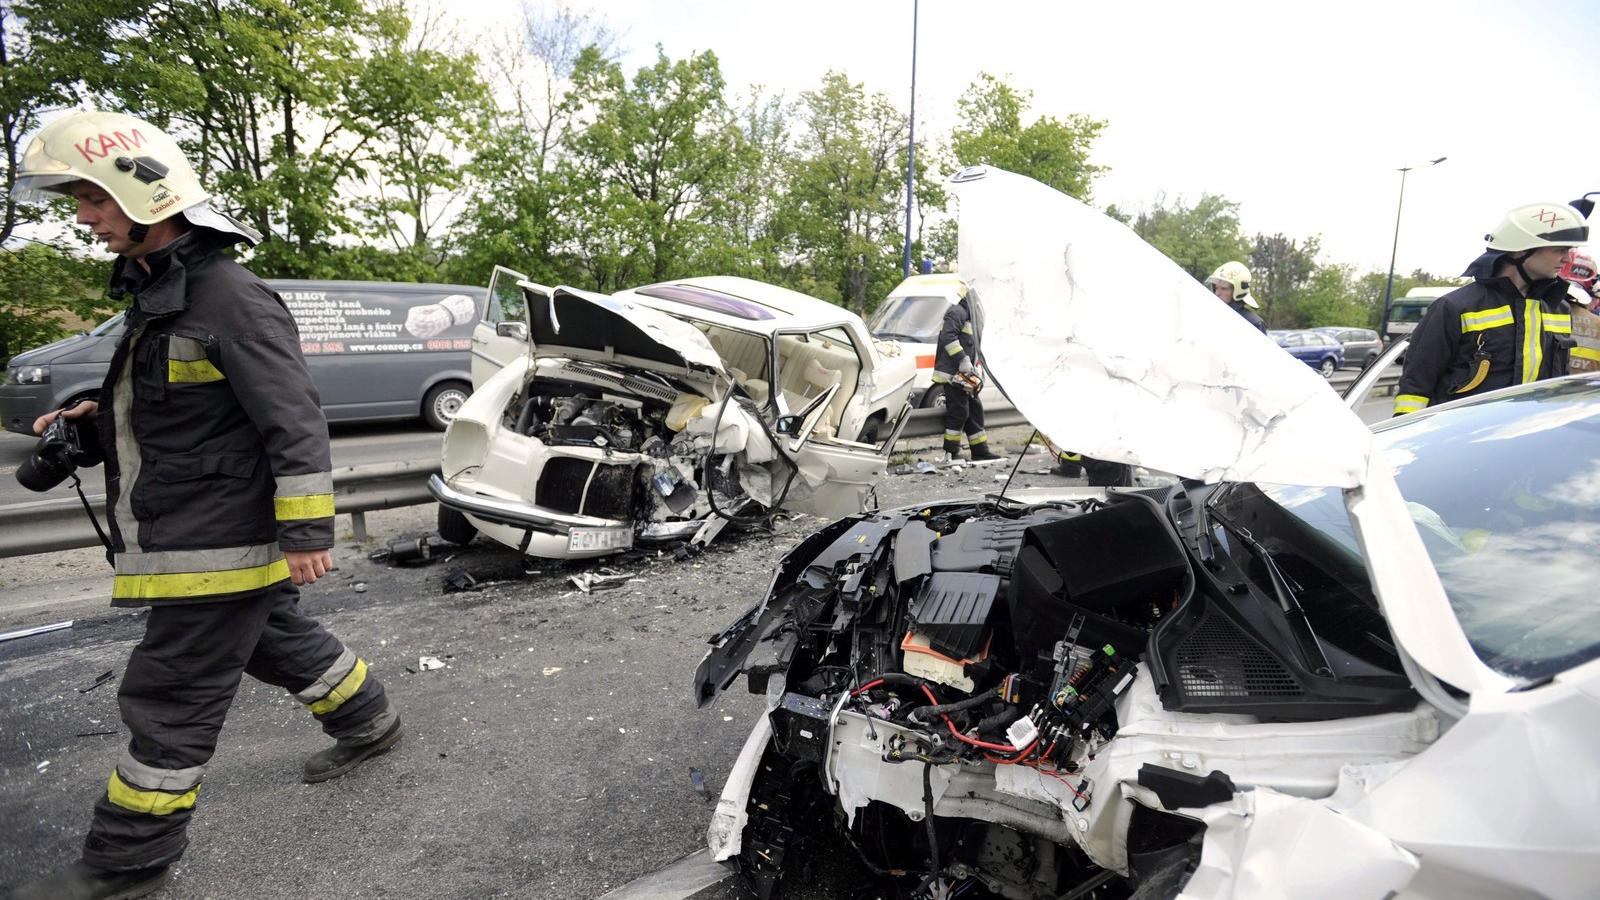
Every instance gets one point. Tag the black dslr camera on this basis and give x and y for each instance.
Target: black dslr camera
(65, 445)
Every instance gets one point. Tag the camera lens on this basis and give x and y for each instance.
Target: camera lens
(44, 468)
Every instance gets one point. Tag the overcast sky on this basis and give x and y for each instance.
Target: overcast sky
(1300, 112)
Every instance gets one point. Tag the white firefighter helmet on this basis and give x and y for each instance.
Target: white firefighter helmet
(1539, 225)
(138, 164)
(1235, 274)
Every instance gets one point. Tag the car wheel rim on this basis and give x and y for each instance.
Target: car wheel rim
(1327, 368)
(448, 404)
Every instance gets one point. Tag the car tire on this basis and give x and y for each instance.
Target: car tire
(442, 402)
(932, 398)
(1367, 363)
(1328, 367)
(454, 527)
(870, 431)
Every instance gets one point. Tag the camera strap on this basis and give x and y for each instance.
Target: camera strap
(77, 485)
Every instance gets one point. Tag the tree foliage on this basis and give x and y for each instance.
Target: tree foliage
(1049, 150)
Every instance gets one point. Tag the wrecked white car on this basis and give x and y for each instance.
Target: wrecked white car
(664, 412)
(1331, 662)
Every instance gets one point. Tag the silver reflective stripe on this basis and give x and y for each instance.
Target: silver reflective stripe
(330, 679)
(150, 778)
(185, 349)
(302, 485)
(216, 559)
(128, 461)
(372, 730)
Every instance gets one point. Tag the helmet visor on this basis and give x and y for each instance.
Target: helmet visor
(42, 188)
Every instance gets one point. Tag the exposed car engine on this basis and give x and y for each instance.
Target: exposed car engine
(952, 673)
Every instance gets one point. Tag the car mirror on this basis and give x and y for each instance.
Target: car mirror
(517, 330)
(789, 426)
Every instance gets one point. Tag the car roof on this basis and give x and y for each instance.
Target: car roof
(789, 309)
(944, 284)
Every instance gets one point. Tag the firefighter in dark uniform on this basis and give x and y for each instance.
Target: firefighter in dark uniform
(1511, 325)
(219, 493)
(955, 371)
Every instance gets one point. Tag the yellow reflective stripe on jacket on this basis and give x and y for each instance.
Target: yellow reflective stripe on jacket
(1484, 319)
(1532, 339)
(155, 803)
(966, 327)
(1557, 324)
(953, 348)
(1588, 353)
(1409, 403)
(198, 371)
(940, 377)
(310, 506)
(342, 691)
(198, 584)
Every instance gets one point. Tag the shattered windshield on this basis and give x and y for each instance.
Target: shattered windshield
(1506, 496)
(910, 319)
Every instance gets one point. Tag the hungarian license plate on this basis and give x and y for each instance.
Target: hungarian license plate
(587, 539)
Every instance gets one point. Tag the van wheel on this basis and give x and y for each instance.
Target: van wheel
(443, 402)
(454, 527)
(932, 398)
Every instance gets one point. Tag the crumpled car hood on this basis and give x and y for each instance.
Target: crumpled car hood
(1113, 351)
(576, 324)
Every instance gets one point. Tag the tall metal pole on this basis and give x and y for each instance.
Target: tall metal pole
(1388, 291)
(911, 142)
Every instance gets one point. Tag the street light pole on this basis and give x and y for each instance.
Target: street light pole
(1388, 291)
(911, 141)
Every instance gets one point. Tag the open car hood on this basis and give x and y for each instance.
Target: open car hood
(570, 323)
(1113, 351)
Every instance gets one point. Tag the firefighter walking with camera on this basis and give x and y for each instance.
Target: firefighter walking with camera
(955, 371)
(219, 495)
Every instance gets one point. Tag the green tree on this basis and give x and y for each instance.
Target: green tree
(1049, 150)
(842, 214)
(513, 193)
(46, 291)
(1280, 272)
(1199, 238)
(654, 162)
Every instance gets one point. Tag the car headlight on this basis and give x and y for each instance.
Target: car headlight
(31, 375)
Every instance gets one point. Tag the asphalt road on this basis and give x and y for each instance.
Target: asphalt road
(549, 759)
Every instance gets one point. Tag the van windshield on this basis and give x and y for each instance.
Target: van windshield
(1409, 310)
(914, 319)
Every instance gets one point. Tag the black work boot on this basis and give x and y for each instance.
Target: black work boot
(81, 881)
(340, 759)
(1070, 465)
(952, 451)
(982, 453)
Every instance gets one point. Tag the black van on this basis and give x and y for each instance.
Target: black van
(377, 351)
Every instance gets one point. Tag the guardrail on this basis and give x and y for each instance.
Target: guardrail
(44, 526)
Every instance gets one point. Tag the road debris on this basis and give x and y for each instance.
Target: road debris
(550, 670)
(30, 632)
(100, 679)
(406, 552)
(42, 766)
(604, 579)
(923, 467)
(459, 580)
(360, 587)
(698, 780)
(97, 733)
(429, 663)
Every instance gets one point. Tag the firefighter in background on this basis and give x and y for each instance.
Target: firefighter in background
(1511, 325)
(219, 493)
(955, 370)
(1578, 270)
(1231, 283)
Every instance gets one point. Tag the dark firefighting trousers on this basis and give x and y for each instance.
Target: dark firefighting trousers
(963, 412)
(175, 694)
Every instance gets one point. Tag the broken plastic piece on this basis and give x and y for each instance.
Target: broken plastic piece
(589, 582)
(698, 780)
(102, 678)
(460, 580)
(1178, 789)
(429, 663)
(30, 632)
